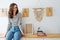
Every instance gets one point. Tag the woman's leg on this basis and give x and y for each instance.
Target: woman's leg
(17, 35)
(9, 35)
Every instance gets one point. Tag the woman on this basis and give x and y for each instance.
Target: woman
(15, 20)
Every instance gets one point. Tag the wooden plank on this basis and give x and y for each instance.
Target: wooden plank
(35, 36)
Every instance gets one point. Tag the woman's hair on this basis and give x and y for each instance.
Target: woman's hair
(10, 12)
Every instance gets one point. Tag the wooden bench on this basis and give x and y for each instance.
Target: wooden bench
(35, 36)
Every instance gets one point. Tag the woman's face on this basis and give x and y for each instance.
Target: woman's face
(15, 8)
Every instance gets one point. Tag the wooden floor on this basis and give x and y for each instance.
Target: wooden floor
(35, 36)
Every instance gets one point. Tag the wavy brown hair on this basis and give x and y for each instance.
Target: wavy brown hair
(10, 12)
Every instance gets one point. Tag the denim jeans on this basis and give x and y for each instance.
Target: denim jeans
(14, 33)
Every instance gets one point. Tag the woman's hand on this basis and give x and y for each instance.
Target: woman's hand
(5, 34)
(22, 33)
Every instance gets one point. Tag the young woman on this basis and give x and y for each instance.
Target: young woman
(15, 20)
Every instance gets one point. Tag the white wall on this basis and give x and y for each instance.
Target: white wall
(48, 24)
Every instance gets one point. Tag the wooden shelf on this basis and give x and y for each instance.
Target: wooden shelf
(35, 36)
(47, 36)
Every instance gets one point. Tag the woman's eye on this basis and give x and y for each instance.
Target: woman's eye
(15, 7)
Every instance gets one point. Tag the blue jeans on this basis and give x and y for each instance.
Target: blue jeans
(14, 33)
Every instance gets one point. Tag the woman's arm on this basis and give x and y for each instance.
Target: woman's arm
(20, 22)
(9, 26)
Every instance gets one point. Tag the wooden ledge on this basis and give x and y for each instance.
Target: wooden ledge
(35, 36)
(47, 36)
